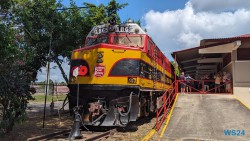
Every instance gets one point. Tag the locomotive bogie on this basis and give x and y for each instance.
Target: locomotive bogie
(102, 107)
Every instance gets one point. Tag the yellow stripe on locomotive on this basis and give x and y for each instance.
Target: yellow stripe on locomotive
(110, 58)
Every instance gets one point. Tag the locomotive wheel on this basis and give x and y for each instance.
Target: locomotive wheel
(144, 107)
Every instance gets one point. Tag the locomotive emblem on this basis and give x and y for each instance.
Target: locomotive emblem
(99, 71)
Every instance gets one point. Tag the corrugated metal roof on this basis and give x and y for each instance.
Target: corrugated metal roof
(213, 39)
(225, 40)
(235, 37)
(243, 36)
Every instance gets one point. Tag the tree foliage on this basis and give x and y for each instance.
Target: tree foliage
(177, 70)
(28, 30)
(48, 23)
(15, 77)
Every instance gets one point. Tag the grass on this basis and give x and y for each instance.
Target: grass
(40, 97)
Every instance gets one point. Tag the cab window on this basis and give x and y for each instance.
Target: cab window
(133, 41)
(96, 40)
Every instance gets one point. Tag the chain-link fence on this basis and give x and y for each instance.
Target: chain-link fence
(52, 88)
(56, 99)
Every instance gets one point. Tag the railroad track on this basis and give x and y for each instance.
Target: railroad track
(63, 135)
(93, 135)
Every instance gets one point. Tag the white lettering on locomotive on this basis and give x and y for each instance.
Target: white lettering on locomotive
(106, 29)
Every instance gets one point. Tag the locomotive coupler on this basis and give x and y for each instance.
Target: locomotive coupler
(120, 107)
(97, 110)
(117, 121)
(117, 117)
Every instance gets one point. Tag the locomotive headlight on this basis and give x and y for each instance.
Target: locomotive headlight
(132, 80)
(99, 60)
(99, 57)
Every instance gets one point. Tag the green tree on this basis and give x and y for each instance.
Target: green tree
(15, 77)
(47, 23)
(177, 70)
(112, 8)
(28, 29)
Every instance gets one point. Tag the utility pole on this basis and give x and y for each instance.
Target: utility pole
(47, 78)
(48, 62)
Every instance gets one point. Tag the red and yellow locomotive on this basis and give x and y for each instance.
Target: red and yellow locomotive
(121, 74)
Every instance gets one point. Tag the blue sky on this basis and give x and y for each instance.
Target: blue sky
(179, 24)
(137, 8)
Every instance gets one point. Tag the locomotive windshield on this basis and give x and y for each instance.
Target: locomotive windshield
(135, 41)
(126, 40)
(96, 40)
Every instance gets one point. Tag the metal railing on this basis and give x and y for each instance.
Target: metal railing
(205, 87)
(196, 86)
(53, 88)
(168, 99)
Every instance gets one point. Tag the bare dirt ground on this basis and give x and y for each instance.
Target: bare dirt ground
(33, 126)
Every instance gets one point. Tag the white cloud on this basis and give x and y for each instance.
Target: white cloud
(184, 28)
(220, 5)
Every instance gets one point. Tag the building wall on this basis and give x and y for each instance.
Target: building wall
(243, 54)
(241, 80)
(241, 65)
(245, 44)
(241, 73)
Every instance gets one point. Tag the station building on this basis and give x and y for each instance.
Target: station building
(231, 55)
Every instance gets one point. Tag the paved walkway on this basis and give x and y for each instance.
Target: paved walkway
(206, 117)
(35, 109)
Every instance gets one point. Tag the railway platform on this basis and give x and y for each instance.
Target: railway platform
(208, 117)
